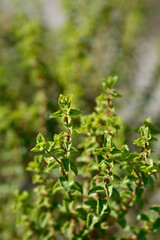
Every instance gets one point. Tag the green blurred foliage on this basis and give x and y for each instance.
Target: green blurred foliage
(99, 38)
(38, 63)
(24, 105)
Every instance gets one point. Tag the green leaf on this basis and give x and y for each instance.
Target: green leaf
(77, 186)
(142, 234)
(74, 132)
(156, 225)
(142, 130)
(49, 145)
(38, 148)
(23, 196)
(36, 178)
(101, 206)
(144, 217)
(110, 82)
(155, 208)
(125, 194)
(147, 133)
(33, 166)
(145, 178)
(121, 219)
(115, 193)
(65, 102)
(67, 204)
(38, 159)
(46, 236)
(52, 165)
(139, 142)
(151, 181)
(74, 112)
(43, 201)
(40, 190)
(109, 190)
(125, 150)
(65, 162)
(48, 159)
(44, 218)
(57, 114)
(138, 194)
(91, 220)
(72, 149)
(105, 226)
(28, 234)
(91, 203)
(74, 168)
(57, 187)
(64, 183)
(40, 138)
(82, 212)
(98, 150)
(115, 94)
(152, 139)
(96, 189)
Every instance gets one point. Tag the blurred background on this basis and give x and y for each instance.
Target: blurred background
(48, 47)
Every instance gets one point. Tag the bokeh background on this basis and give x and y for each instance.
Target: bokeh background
(48, 47)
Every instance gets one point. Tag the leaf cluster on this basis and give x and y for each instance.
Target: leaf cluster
(81, 192)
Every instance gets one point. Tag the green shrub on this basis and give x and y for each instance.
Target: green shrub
(87, 192)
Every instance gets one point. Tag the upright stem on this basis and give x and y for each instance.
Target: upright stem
(138, 175)
(63, 171)
(63, 148)
(68, 133)
(68, 140)
(146, 152)
(146, 156)
(133, 193)
(107, 179)
(129, 201)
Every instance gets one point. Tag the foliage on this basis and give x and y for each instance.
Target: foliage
(38, 62)
(98, 39)
(23, 107)
(83, 192)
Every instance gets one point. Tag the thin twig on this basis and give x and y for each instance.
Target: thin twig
(138, 175)
(63, 148)
(154, 172)
(63, 171)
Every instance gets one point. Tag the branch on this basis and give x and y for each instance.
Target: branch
(63, 172)
(138, 175)
(68, 133)
(63, 148)
(154, 172)
(129, 201)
